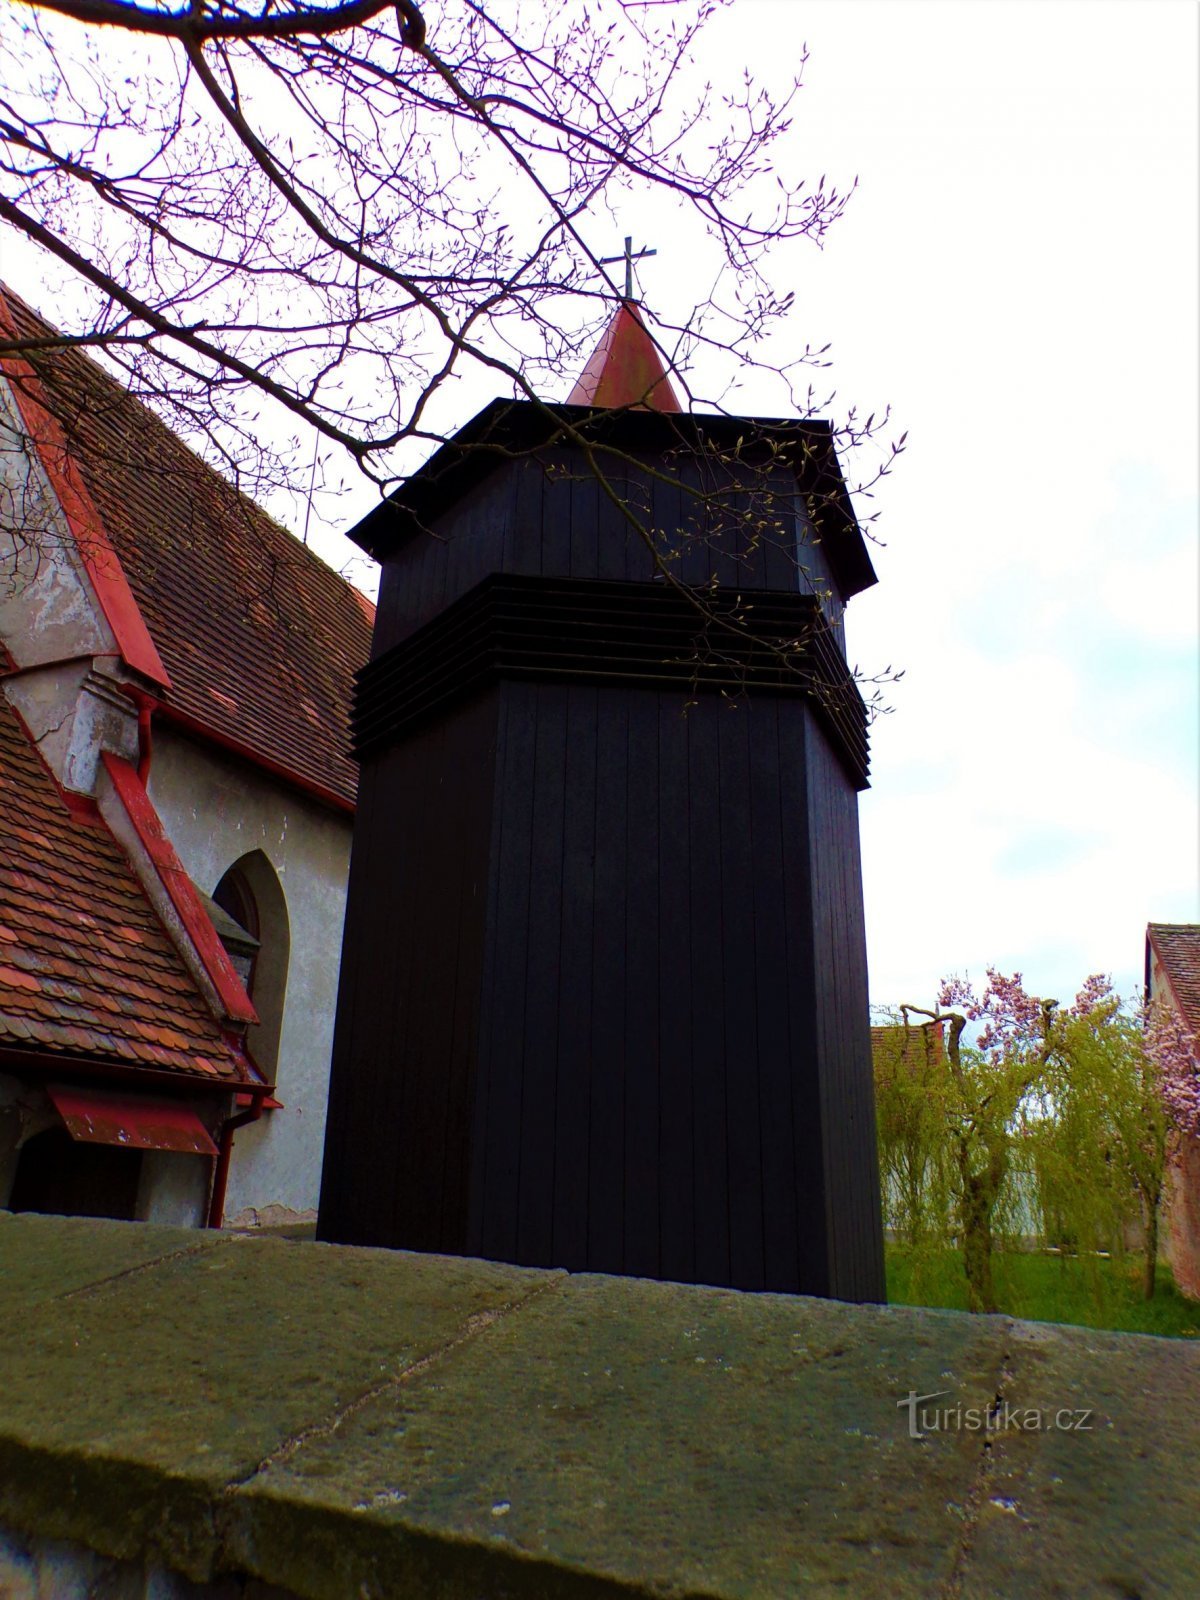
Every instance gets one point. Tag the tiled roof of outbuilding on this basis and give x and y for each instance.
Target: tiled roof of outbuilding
(86, 967)
(260, 638)
(1177, 945)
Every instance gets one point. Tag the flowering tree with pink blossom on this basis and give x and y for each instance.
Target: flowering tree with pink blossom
(1176, 1054)
(1071, 1107)
(972, 1107)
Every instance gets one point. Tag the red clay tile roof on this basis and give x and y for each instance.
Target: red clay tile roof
(86, 967)
(261, 639)
(1177, 945)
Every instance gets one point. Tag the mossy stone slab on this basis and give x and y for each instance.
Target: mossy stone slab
(1096, 1490)
(127, 1411)
(46, 1258)
(358, 1423)
(615, 1436)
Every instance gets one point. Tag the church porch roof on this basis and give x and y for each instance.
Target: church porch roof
(87, 970)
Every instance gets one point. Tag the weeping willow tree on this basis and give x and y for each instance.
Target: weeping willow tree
(1102, 1142)
(1052, 1124)
(950, 1131)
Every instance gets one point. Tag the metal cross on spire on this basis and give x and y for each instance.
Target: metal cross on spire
(628, 256)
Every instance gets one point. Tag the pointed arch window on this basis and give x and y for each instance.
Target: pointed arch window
(252, 896)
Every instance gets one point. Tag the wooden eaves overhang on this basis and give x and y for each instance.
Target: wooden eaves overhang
(505, 429)
(546, 620)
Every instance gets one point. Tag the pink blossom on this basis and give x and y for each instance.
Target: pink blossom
(1173, 1051)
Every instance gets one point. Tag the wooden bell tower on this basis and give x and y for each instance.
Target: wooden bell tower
(604, 994)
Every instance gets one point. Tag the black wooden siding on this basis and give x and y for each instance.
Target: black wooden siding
(550, 518)
(603, 996)
(627, 947)
(843, 1038)
(400, 1112)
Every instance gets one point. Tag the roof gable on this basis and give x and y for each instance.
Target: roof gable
(259, 637)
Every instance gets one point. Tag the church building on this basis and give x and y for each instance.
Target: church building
(176, 804)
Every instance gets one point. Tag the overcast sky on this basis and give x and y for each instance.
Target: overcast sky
(1016, 275)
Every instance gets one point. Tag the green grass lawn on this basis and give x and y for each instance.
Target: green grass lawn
(1094, 1292)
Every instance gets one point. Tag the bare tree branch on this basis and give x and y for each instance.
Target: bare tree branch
(199, 24)
(282, 217)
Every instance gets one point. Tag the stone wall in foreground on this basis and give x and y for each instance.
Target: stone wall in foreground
(190, 1413)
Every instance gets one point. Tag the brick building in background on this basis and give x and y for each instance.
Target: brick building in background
(1173, 977)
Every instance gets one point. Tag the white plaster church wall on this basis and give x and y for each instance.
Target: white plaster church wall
(216, 810)
(48, 611)
(174, 1188)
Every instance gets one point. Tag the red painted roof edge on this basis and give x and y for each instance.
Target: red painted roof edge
(131, 1074)
(184, 719)
(206, 947)
(626, 368)
(132, 1110)
(100, 561)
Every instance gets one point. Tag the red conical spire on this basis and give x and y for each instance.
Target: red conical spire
(626, 368)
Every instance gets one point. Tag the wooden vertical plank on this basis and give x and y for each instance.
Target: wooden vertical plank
(698, 506)
(389, 626)
(844, 1028)
(509, 933)
(461, 531)
(710, 1111)
(402, 1009)
(586, 499)
(777, 569)
(731, 538)
(829, 997)
(433, 906)
(477, 1183)
(430, 575)
(535, 1215)
(366, 1092)
(573, 1088)
(523, 543)
(775, 1054)
(475, 780)
(642, 1200)
(612, 524)
(479, 547)
(642, 497)
(677, 1244)
(666, 503)
(606, 1157)
(559, 487)
(737, 938)
(813, 1264)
